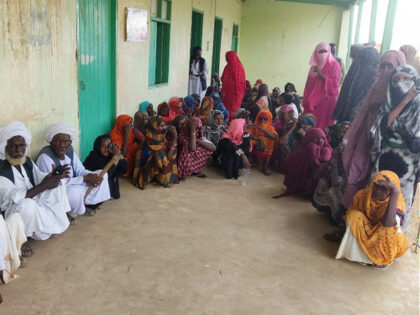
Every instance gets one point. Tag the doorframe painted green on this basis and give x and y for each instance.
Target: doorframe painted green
(202, 26)
(213, 66)
(235, 39)
(389, 25)
(114, 36)
(359, 21)
(373, 15)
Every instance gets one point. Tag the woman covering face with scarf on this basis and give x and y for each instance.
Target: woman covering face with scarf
(215, 127)
(396, 133)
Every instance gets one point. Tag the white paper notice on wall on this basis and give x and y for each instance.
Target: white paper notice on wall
(136, 29)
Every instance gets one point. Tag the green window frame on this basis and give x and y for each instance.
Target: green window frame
(235, 37)
(217, 43)
(196, 29)
(160, 31)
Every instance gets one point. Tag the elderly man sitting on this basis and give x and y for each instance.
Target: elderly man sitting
(38, 198)
(60, 152)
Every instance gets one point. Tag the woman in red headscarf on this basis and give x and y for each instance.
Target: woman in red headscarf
(122, 135)
(166, 113)
(301, 165)
(263, 137)
(322, 85)
(233, 83)
(176, 105)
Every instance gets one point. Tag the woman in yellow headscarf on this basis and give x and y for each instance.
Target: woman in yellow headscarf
(373, 234)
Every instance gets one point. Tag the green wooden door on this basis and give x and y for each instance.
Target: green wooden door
(217, 42)
(235, 37)
(196, 29)
(96, 65)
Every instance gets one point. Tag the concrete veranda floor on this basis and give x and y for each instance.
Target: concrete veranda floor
(211, 246)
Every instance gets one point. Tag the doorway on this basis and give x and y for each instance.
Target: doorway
(96, 59)
(217, 42)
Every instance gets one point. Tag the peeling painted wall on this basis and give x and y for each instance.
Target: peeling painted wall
(278, 38)
(38, 69)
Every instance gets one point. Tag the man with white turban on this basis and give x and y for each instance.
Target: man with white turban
(36, 198)
(60, 152)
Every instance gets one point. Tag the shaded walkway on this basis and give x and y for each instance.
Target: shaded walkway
(208, 246)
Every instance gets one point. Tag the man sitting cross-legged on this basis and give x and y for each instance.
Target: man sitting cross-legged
(38, 198)
(60, 152)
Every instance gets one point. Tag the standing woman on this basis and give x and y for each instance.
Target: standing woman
(356, 154)
(360, 78)
(321, 90)
(198, 74)
(233, 83)
(396, 133)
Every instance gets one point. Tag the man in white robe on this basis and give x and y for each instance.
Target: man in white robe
(60, 152)
(12, 237)
(198, 74)
(40, 199)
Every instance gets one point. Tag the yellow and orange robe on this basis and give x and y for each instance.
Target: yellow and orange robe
(204, 111)
(380, 243)
(152, 159)
(268, 143)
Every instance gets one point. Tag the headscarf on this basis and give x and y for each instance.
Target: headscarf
(248, 87)
(241, 113)
(143, 106)
(276, 99)
(205, 109)
(259, 81)
(408, 119)
(267, 125)
(196, 98)
(118, 131)
(13, 129)
(171, 115)
(235, 131)
(225, 112)
(254, 93)
(318, 59)
(211, 89)
(95, 159)
(216, 98)
(263, 90)
(262, 104)
(235, 64)
(57, 128)
(189, 103)
(410, 53)
(281, 120)
(155, 138)
(176, 105)
(357, 83)
(212, 131)
(371, 235)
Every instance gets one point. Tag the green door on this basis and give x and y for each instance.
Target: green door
(96, 65)
(235, 37)
(196, 29)
(217, 42)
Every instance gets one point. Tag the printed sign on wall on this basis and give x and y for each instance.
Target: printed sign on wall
(136, 30)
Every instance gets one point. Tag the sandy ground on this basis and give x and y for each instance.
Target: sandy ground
(211, 246)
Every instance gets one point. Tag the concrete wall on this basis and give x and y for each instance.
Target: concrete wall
(278, 38)
(133, 57)
(38, 68)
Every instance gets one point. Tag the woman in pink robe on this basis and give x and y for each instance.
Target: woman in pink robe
(233, 83)
(322, 85)
(356, 160)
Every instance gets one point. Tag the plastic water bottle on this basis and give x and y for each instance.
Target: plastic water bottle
(244, 177)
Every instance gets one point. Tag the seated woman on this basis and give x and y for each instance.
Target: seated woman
(284, 125)
(203, 112)
(147, 107)
(263, 137)
(189, 108)
(290, 89)
(175, 104)
(373, 235)
(331, 187)
(156, 159)
(215, 127)
(194, 150)
(301, 166)
(276, 100)
(337, 132)
(122, 135)
(103, 152)
(233, 149)
(305, 123)
(166, 113)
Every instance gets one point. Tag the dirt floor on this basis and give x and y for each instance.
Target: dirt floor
(207, 246)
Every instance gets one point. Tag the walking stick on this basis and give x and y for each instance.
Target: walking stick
(114, 161)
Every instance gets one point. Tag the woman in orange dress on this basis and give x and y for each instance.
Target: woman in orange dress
(263, 138)
(122, 135)
(373, 235)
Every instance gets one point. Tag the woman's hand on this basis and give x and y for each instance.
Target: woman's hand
(116, 150)
(388, 185)
(193, 125)
(411, 95)
(127, 129)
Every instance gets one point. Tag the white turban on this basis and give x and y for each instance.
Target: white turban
(57, 128)
(13, 129)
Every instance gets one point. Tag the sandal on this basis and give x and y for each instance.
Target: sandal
(72, 219)
(199, 175)
(26, 250)
(334, 237)
(382, 267)
(90, 212)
